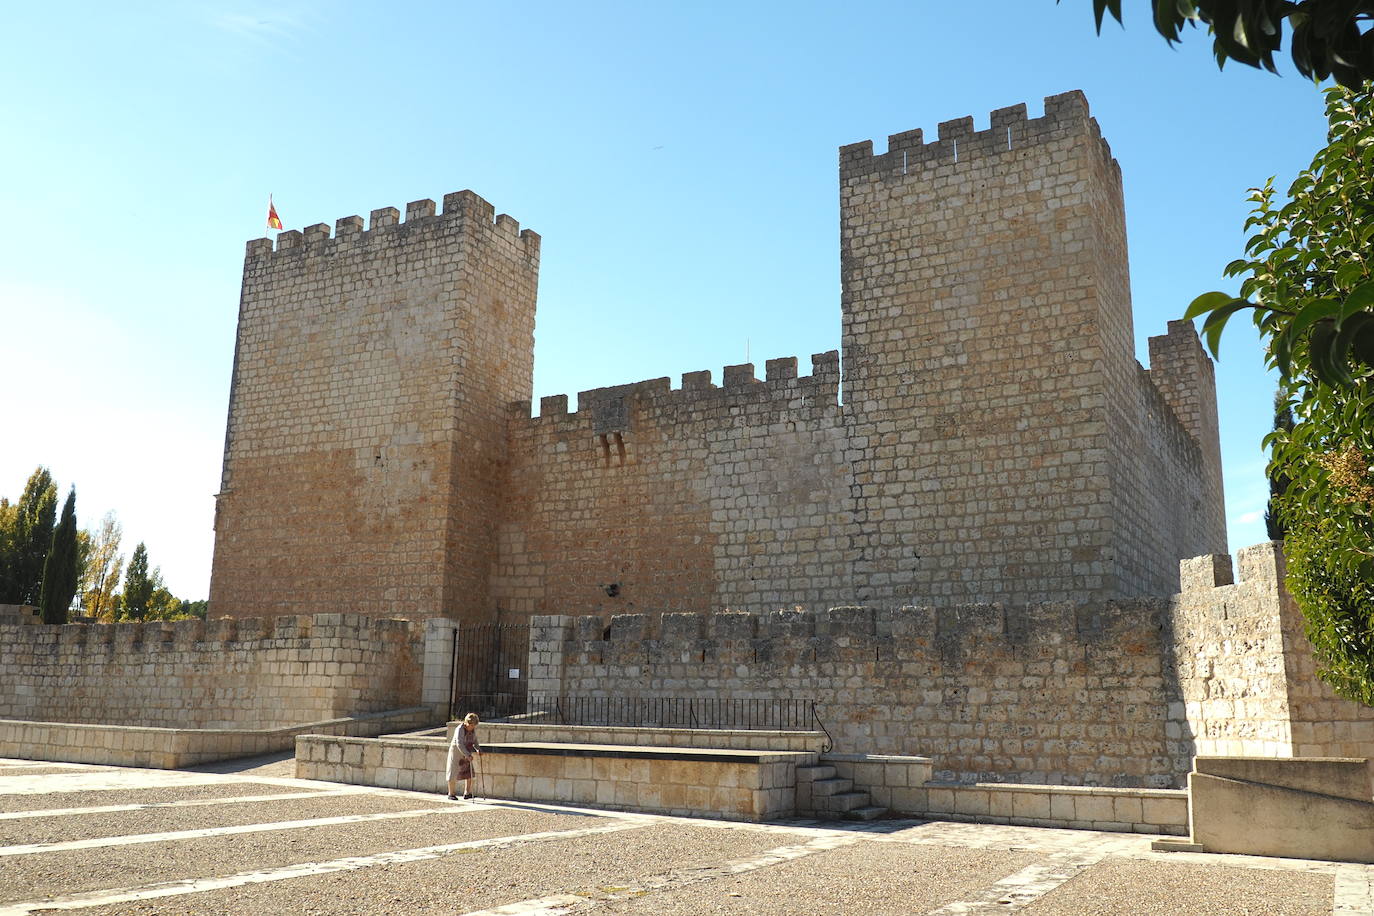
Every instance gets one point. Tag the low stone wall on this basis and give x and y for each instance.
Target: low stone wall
(219, 674)
(1312, 808)
(1082, 807)
(176, 748)
(741, 739)
(731, 784)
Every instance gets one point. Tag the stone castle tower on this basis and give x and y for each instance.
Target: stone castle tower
(367, 416)
(997, 440)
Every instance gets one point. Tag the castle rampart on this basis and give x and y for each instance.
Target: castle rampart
(252, 673)
(996, 439)
(1117, 693)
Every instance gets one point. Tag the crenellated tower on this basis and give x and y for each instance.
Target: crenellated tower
(367, 415)
(1006, 444)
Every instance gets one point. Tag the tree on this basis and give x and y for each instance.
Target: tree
(103, 566)
(1309, 281)
(30, 525)
(1278, 481)
(138, 587)
(1329, 38)
(59, 571)
(9, 525)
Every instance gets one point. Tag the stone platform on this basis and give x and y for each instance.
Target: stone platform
(735, 784)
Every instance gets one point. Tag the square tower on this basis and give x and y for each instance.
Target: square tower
(1006, 444)
(373, 374)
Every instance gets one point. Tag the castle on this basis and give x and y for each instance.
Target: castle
(997, 440)
(972, 557)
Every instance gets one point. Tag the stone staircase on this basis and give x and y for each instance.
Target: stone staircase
(823, 794)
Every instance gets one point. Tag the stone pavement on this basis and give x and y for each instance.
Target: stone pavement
(249, 838)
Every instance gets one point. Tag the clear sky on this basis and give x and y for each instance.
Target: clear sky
(679, 160)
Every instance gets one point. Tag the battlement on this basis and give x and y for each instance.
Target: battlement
(466, 207)
(605, 408)
(971, 624)
(226, 633)
(1011, 129)
(1261, 566)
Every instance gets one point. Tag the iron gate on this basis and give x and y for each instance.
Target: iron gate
(488, 676)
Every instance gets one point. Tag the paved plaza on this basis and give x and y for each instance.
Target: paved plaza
(247, 837)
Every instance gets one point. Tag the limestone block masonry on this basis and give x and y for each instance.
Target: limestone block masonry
(997, 440)
(1098, 693)
(221, 674)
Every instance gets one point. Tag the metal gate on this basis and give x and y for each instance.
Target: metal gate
(488, 676)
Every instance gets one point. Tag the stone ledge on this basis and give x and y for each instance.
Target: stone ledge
(176, 748)
(644, 752)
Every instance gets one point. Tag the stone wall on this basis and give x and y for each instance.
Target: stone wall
(1246, 673)
(1052, 693)
(675, 499)
(1116, 693)
(367, 416)
(1006, 444)
(221, 674)
(996, 441)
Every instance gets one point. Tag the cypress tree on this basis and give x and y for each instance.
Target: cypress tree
(138, 587)
(31, 536)
(59, 572)
(1278, 481)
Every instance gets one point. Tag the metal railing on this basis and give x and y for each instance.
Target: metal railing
(725, 713)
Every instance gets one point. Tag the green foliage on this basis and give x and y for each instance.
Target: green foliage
(59, 571)
(1328, 38)
(1328, 510)
(1309, 281)
(138, 586)
(28, 537)
(1309, 274)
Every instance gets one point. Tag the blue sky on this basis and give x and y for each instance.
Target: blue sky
(678, 159)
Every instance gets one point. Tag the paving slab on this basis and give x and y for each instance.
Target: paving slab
(870, 878)
(45, 873)
(1155, 886)
(165, 820)
(136, 796)
(476, 879)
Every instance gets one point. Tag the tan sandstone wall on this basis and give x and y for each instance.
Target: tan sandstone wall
(1007, 447)
(367, 414)
(251, 673)
(996, 440)
(1050, 694)
(681, 499)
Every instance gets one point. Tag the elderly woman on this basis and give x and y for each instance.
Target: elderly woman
(461, 750)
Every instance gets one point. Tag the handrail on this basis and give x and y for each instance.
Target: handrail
(829, 739)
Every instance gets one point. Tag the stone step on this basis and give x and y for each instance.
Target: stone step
(832, 786)
(819, 771)
(847, 801)
(867, 813)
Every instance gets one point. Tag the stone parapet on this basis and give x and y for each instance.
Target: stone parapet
(249, 673)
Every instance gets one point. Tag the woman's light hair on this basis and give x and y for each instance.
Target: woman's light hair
(471, 718)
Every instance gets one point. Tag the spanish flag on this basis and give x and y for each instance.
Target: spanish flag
(273, 221)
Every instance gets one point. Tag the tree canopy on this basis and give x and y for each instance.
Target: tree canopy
(1309, 283)
(1327, 38)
